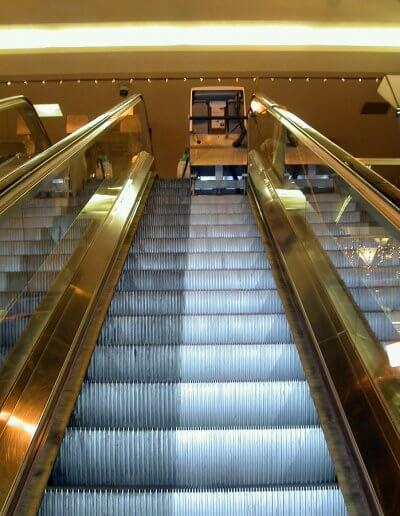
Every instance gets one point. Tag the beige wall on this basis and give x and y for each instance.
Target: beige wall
(331, 107)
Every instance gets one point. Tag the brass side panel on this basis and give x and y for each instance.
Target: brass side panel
(28, 405)
(331, 322)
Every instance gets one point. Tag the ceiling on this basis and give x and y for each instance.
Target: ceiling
(170, 61)
(98, 11)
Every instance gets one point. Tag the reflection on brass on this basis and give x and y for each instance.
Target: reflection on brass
(356, 366)
(56, 330)
(379, 193)
(41, 166)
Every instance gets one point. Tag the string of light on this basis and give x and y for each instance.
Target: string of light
(219, 79)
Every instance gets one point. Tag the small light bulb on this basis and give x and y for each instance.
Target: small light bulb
(25, 82)
(359, 79)
(290, 79)
(308, 79)
(43, 82)
(184, 79)
(166, 79)
(377, 79)
(254, 79)
(237, 79)
(78, 81)
(130, 81)
(113, 81)
(8, 83)
(219, 79)
(60, 81)
(96, 81)
(201, 79)
(343, 79)
(325, 79)
(149, 80)
(272, 79)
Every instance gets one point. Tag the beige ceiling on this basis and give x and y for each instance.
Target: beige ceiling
(169, 62)
(84, 11)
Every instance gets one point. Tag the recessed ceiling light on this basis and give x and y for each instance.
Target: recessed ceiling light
(48, 110)
(187, 34)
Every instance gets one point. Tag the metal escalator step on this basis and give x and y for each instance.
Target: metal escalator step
(195, 363)
(195, 329)
(341, 230)
(327, 206)
(173, 197)
(200, 458)
(199, 219)
(16, 281)
(347, 244)
(196, 245)
(343, 259)
(383, 327)
(196, 280)
(8, 250)
(223, 231)
(166, 184)
(31, 263)
(35, 222)
(199, 261)
(195, 209)
(375, 299)
(14, 236)
(315, 217)
(316, 500)
(194, 405)
(196, 302)
(381, 277)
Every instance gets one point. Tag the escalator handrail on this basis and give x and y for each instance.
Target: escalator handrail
(18, 101)
(376, 190)
(23, 178)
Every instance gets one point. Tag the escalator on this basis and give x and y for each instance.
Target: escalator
(165, 353)
(195, 388)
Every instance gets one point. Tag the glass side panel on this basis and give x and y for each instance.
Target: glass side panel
(362, 248)
(49, 229)
(21, 135)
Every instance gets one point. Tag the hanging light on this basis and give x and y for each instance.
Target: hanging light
(130, 80)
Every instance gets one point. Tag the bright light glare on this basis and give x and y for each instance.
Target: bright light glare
(244, 34)
(48, 110)
(22, 425)
(393, 353)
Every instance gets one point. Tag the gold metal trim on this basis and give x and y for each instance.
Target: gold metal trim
(17, 183)
(28, 404)
(343, 343)
(379, 193)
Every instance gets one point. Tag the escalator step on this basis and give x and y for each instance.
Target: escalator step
(195, 329)
(370, 277)
(224, 231)
(317, 500)
(198, 219)
(196, 245)
(343, 259)
(194, 405)
(195, 209)
(16, 281)
(194, 302)
(315, 217)
(178, 197)
(196, 280)
(192, 261)
(196, 363)
(200, 458)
